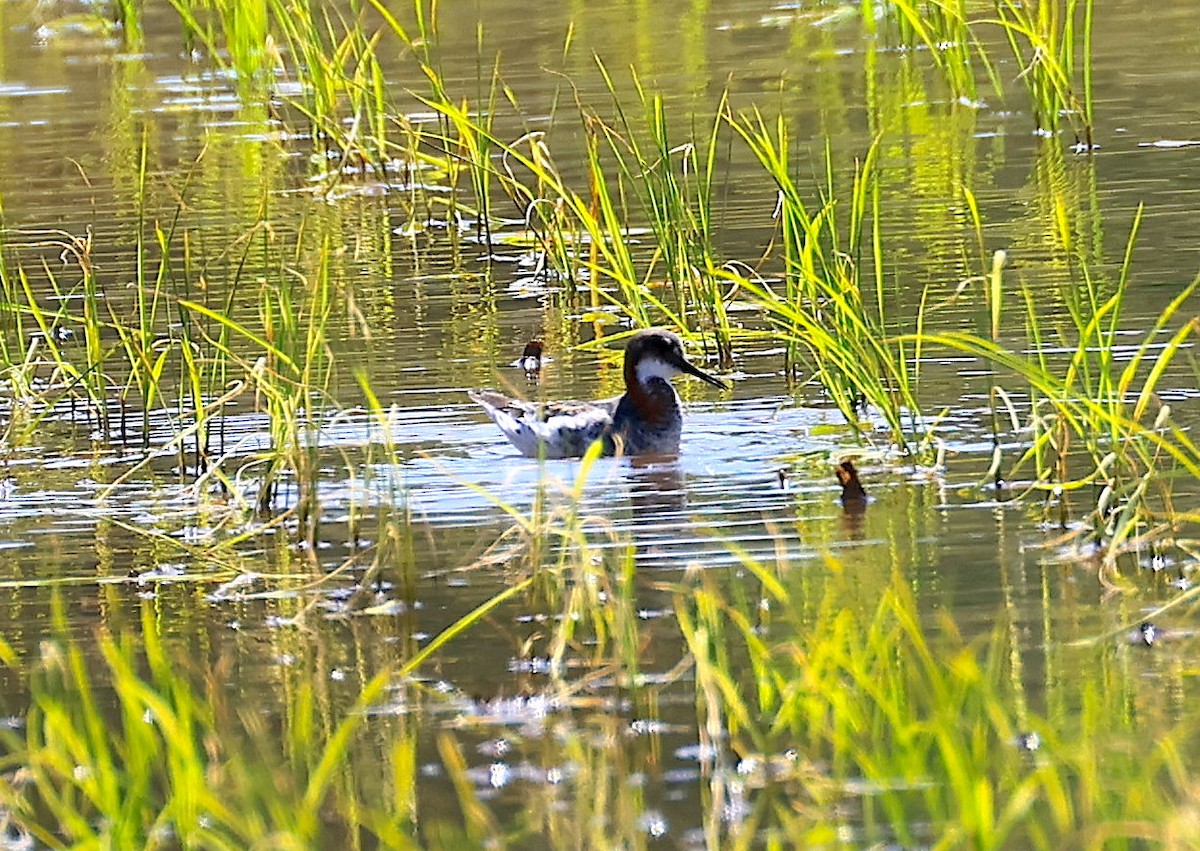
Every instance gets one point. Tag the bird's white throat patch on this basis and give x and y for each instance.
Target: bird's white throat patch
(653, 367)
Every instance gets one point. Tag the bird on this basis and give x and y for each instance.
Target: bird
(645, 420)
(531, 360)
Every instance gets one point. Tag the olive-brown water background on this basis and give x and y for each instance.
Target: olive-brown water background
(443, 316)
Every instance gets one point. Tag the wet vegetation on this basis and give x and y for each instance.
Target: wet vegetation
(257, 660)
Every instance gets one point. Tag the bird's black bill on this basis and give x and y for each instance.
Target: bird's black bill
(703, 376)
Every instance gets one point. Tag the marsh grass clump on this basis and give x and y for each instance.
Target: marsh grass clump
(1094, 425)
(834, 306)
(57, 348)
(946, 31)
(134, 742)
(334, 59)
(107, 342)
(674, 181)
(1052, 43)
(155, 369)
(916, 735)
(286, 360)
(137, 748)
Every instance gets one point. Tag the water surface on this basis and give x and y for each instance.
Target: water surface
(435, 313)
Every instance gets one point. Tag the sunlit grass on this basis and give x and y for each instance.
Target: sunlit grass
(835, 708)
(1094, 422)
(925, 738)
(825, 708)
(1053, 44)
(833, 307)
(637, 241)
(945, 29)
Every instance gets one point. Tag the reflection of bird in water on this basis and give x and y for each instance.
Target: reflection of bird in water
(662, 531)
(646, 420)
(657, 492)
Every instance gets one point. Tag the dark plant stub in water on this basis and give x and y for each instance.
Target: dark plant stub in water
(854, 495)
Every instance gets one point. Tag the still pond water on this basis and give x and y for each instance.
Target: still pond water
(431, 317)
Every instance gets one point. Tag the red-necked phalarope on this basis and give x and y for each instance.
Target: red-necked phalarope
(646, 420)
